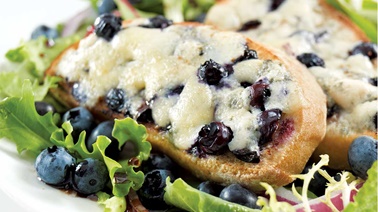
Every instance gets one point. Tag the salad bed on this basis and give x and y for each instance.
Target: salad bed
(21, 123)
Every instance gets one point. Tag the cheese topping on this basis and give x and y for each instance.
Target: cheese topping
(149, 64)
(309, 28)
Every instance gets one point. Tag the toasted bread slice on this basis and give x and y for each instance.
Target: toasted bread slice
(312, 26)
(156, 76)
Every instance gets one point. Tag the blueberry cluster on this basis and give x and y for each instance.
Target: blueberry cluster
(233, 193)
(57, 167)
(82, 120)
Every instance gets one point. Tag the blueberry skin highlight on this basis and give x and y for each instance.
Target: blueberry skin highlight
(361, 155)
(53, 166)
(90, 176)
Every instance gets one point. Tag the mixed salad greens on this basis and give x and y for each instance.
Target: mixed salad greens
(20, 123)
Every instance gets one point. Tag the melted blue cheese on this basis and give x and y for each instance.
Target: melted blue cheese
(310, 28)
(148, 63)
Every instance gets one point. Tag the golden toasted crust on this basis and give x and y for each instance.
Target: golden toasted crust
(293, 143)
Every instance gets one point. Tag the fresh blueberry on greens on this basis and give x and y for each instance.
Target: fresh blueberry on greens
(43, 108)
(104, 128)
(237, 194)
(106, 6)
(53, 166)
(90, 176)
(43, 30)
(158, 161)
(210, 188)
(80, 119)
(361, 155)
(151, 194)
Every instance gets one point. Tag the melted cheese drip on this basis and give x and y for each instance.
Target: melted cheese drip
(148, 63)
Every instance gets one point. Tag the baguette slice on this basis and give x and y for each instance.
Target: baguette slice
(313, 26)
(156, 70)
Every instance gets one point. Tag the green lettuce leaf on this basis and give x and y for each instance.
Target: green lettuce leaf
(35, 56)
(20, 122)
(111, 204)
(183, 196)
(13, 81)
(366, 198)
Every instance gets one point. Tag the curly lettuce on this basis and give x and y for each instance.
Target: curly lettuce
(20, 123)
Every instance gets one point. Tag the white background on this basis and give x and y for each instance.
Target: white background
(19, 188)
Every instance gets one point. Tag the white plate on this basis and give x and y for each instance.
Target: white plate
(20, 189)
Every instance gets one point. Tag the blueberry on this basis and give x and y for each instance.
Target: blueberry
(144, 114)
(43, 108)
(80, 119)
(116, 100)
(175, 91)
(247, 155)
(268, 122)
(107, 26)
(310, 60)
(365, 48)
(361, 155)
(210, 188)
(373, 81)
(213, 138)
(90, 176)
(332, 110)
(247, 55)
(104, 128)
(158, 161)
(78, 93)
(237, 194)
(252, 24)
(53, 166)
(317, 184)
(259, 93)
(159, 22)
(211, 72)
(275, 4)
(106, 6)
(46, 31)
(151, 194)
